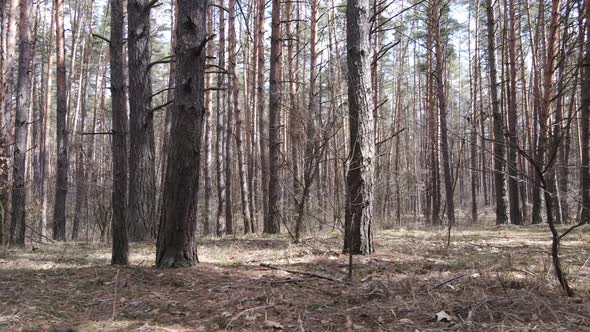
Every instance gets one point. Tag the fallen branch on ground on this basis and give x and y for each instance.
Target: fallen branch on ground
(309, 274)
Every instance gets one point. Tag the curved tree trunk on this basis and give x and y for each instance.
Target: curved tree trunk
(359, 178)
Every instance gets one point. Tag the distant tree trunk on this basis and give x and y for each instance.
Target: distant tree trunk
(442, 105)
(515, 213)
(273, 224)
(207, 136)
(498, 122)
(262, 138)
(176, 244)
(312, 154)
(81, 163)
(23, 103)
(227, 133)
(61, 183)
(244, 191)
(142, 175)
(219, 140)
(358, 237)
(45, 128)
(120, 125)
(585, 124)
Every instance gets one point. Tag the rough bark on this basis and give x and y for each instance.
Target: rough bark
(219, 139)
(273, 223)
(61, 183)
(359, 176)
(120, 124)
(176, 244)
(23, 103)
(498, 122)
(142, 175)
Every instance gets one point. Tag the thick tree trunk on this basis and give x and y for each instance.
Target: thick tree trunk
(61, 183)
(142, 175)
(359, 178)
(176, 244)
(23, 103)
(273, 224)
(120, 125)
(498, 122)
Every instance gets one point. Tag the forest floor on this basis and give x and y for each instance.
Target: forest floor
(492, 279)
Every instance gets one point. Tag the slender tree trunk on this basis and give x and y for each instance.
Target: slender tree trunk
(120, 125)
(498, 122)
(219, 140)
(262, 138)
(359, 178)
(273, 224)
(442, 105)
(244, 191)
(176, 244)
(142, 175)
(61, 183)
(585, 125)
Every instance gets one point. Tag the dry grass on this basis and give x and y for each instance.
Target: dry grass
(497, 279)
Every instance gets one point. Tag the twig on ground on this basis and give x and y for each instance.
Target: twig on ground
(234, 318)
(447, 281)
(309, 274)
(115, 295)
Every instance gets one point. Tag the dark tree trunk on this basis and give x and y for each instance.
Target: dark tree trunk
(176, 244)
(585, 124)
(358, 237)
(120, 125)
(273, 224)
(142, 175)
(61, 183)
(498, 122)
(23, 103)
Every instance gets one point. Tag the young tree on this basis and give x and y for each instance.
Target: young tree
(176, 244)
(119, 137)
(358, 237)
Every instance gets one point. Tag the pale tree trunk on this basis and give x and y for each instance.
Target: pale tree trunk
(235, 90)
(142, 175)
(219, 139)
(120, 123)
(61, 183)
(498, 122)
(176, 244)
(273, 224)
(81, 163)
(208, 136)
(229, 114)
(23, 103)
(358, 237)
(260, 104)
